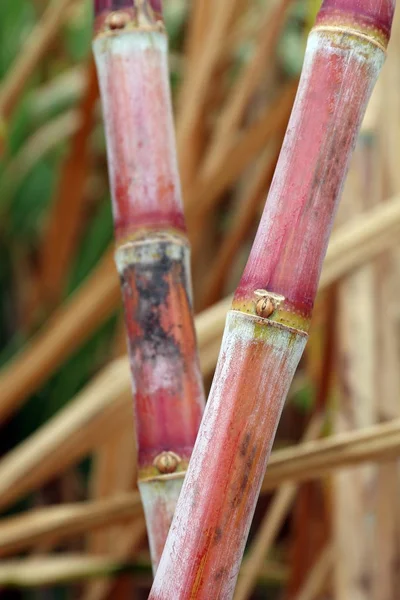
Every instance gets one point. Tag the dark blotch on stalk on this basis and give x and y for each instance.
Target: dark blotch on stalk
(124, 285)
(153, 289)
(220, 573)
(244, 446)
(250, 460)
(242, 489)
(248, 465)
(217, 535)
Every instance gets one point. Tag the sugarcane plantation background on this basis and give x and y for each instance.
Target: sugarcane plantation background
(327, 523)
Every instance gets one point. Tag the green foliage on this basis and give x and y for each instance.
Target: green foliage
(28, 190)
(16, 20)
(304, 398)
(98, 237)
(6, 302)
(31, 200)
(292, 45)
(19, 127)
(175, 16)
(78, 32)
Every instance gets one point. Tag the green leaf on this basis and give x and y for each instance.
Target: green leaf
(78, 32)
(304, 398)
(7, 312)
(20, 127)
(31, 200)
(175, 14)
(17, 19)
(95, 242)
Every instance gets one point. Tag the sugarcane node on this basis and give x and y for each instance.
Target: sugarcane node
(167, 462)
(117, 20)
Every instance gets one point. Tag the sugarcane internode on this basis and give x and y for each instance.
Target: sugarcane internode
(153, 254)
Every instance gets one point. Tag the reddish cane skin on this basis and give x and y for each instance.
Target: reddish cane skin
(205, 545)
(246, 450)
(240, 441)
(162, 328)
(152, 253)
(143, 174)
(296, 224)
(112, 5)
(156, 5)
(370, 13)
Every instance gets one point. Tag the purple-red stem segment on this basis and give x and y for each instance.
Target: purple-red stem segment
(267, 328)
(152, 253)
(101, 6)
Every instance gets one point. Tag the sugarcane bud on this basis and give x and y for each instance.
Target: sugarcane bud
(167, 462)
(117, 20)
(265, 308)
(266, 303)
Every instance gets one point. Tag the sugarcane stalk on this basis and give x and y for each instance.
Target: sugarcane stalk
(152, 254)
(266, 329)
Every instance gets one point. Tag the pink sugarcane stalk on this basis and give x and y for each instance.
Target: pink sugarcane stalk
(266, 329)
(152, 253)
